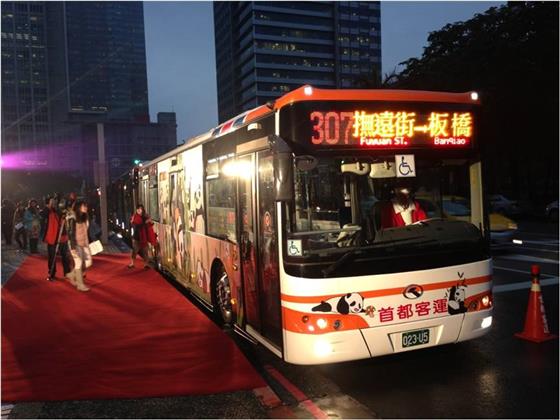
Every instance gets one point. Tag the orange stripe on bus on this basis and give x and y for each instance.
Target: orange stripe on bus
(386, 292)
(293, 321)
(258, 112)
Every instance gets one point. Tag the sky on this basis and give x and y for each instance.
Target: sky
(182, 67)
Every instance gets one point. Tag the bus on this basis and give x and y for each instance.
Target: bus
(275, 221)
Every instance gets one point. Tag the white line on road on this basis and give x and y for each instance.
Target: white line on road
(528, 273)
(546, 243)
(522, 285)
(520, 257)
(539, 249)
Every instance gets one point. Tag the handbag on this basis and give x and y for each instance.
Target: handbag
(88, 260)
(95, 247)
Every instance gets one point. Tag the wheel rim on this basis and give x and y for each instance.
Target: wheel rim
(223, 295)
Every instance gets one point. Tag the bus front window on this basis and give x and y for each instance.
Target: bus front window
(357, 203)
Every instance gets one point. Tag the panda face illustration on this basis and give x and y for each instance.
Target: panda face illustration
(345, 304)
(355, 302)
(459, 294)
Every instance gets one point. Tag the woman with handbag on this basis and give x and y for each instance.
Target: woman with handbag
(78, 228)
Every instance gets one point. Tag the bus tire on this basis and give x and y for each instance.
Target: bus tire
(222, 296)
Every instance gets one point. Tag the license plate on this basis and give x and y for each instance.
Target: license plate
(415, 338)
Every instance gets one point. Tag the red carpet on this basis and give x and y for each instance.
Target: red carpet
(133, 335)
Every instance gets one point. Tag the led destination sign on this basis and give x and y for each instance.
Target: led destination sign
(391, 129)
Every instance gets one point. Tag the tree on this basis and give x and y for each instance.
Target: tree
(374, 80)
(510, 56)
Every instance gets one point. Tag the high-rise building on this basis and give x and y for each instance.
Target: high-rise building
(67, 66)
(99, 48)
(265, 49)
(25, 92)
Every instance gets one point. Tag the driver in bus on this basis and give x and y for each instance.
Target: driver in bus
(402, 209)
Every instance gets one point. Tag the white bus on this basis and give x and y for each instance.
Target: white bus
(289, 222)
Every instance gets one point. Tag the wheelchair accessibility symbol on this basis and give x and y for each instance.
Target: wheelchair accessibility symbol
(405, 166)
(294, 248)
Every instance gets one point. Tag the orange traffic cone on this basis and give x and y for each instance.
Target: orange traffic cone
(536, 326)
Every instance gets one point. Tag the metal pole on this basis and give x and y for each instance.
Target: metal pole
(102, 182)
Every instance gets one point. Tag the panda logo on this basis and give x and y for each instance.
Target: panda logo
(456, 303)
(345, 304)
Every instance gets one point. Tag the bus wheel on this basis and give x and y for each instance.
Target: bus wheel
(222, 294)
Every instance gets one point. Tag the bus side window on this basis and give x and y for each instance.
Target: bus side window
(220, 190)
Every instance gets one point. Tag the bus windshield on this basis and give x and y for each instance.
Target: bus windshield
(344, 203)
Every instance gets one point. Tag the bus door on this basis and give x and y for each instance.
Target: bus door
(248, 243)
(259, 249)
(176, 212)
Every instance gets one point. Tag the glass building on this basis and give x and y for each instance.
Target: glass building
(99, 47)
(265, 49)
(25, 110)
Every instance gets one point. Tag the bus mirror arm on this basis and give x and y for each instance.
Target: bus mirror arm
(283, 169)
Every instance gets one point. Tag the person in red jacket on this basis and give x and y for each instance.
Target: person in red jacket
(54, 220)
(143, 234)
(402, 209)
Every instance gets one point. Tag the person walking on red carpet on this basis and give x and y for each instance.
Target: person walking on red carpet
(56, 234)
(78, 225)
(141, 225)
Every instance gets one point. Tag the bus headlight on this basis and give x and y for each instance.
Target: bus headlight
(321, 323)
(486, 322)
(322, 348)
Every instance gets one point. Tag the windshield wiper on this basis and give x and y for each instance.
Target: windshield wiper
(340, 262)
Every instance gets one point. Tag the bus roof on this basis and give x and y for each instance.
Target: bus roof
(309, 93)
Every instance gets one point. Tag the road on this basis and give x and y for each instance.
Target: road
(496, 376)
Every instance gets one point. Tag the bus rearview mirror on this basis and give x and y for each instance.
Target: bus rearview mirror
(283, 169)
(283, 177)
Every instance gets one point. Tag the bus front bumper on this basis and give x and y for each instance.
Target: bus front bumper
(310, 349)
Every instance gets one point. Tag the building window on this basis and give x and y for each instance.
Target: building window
(293, 47)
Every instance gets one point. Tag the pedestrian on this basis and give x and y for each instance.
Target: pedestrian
(19, 228)
(140, 222)
(32, 223)
(56, 236)
(44, 214)
(7, 220)
(78, 230)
